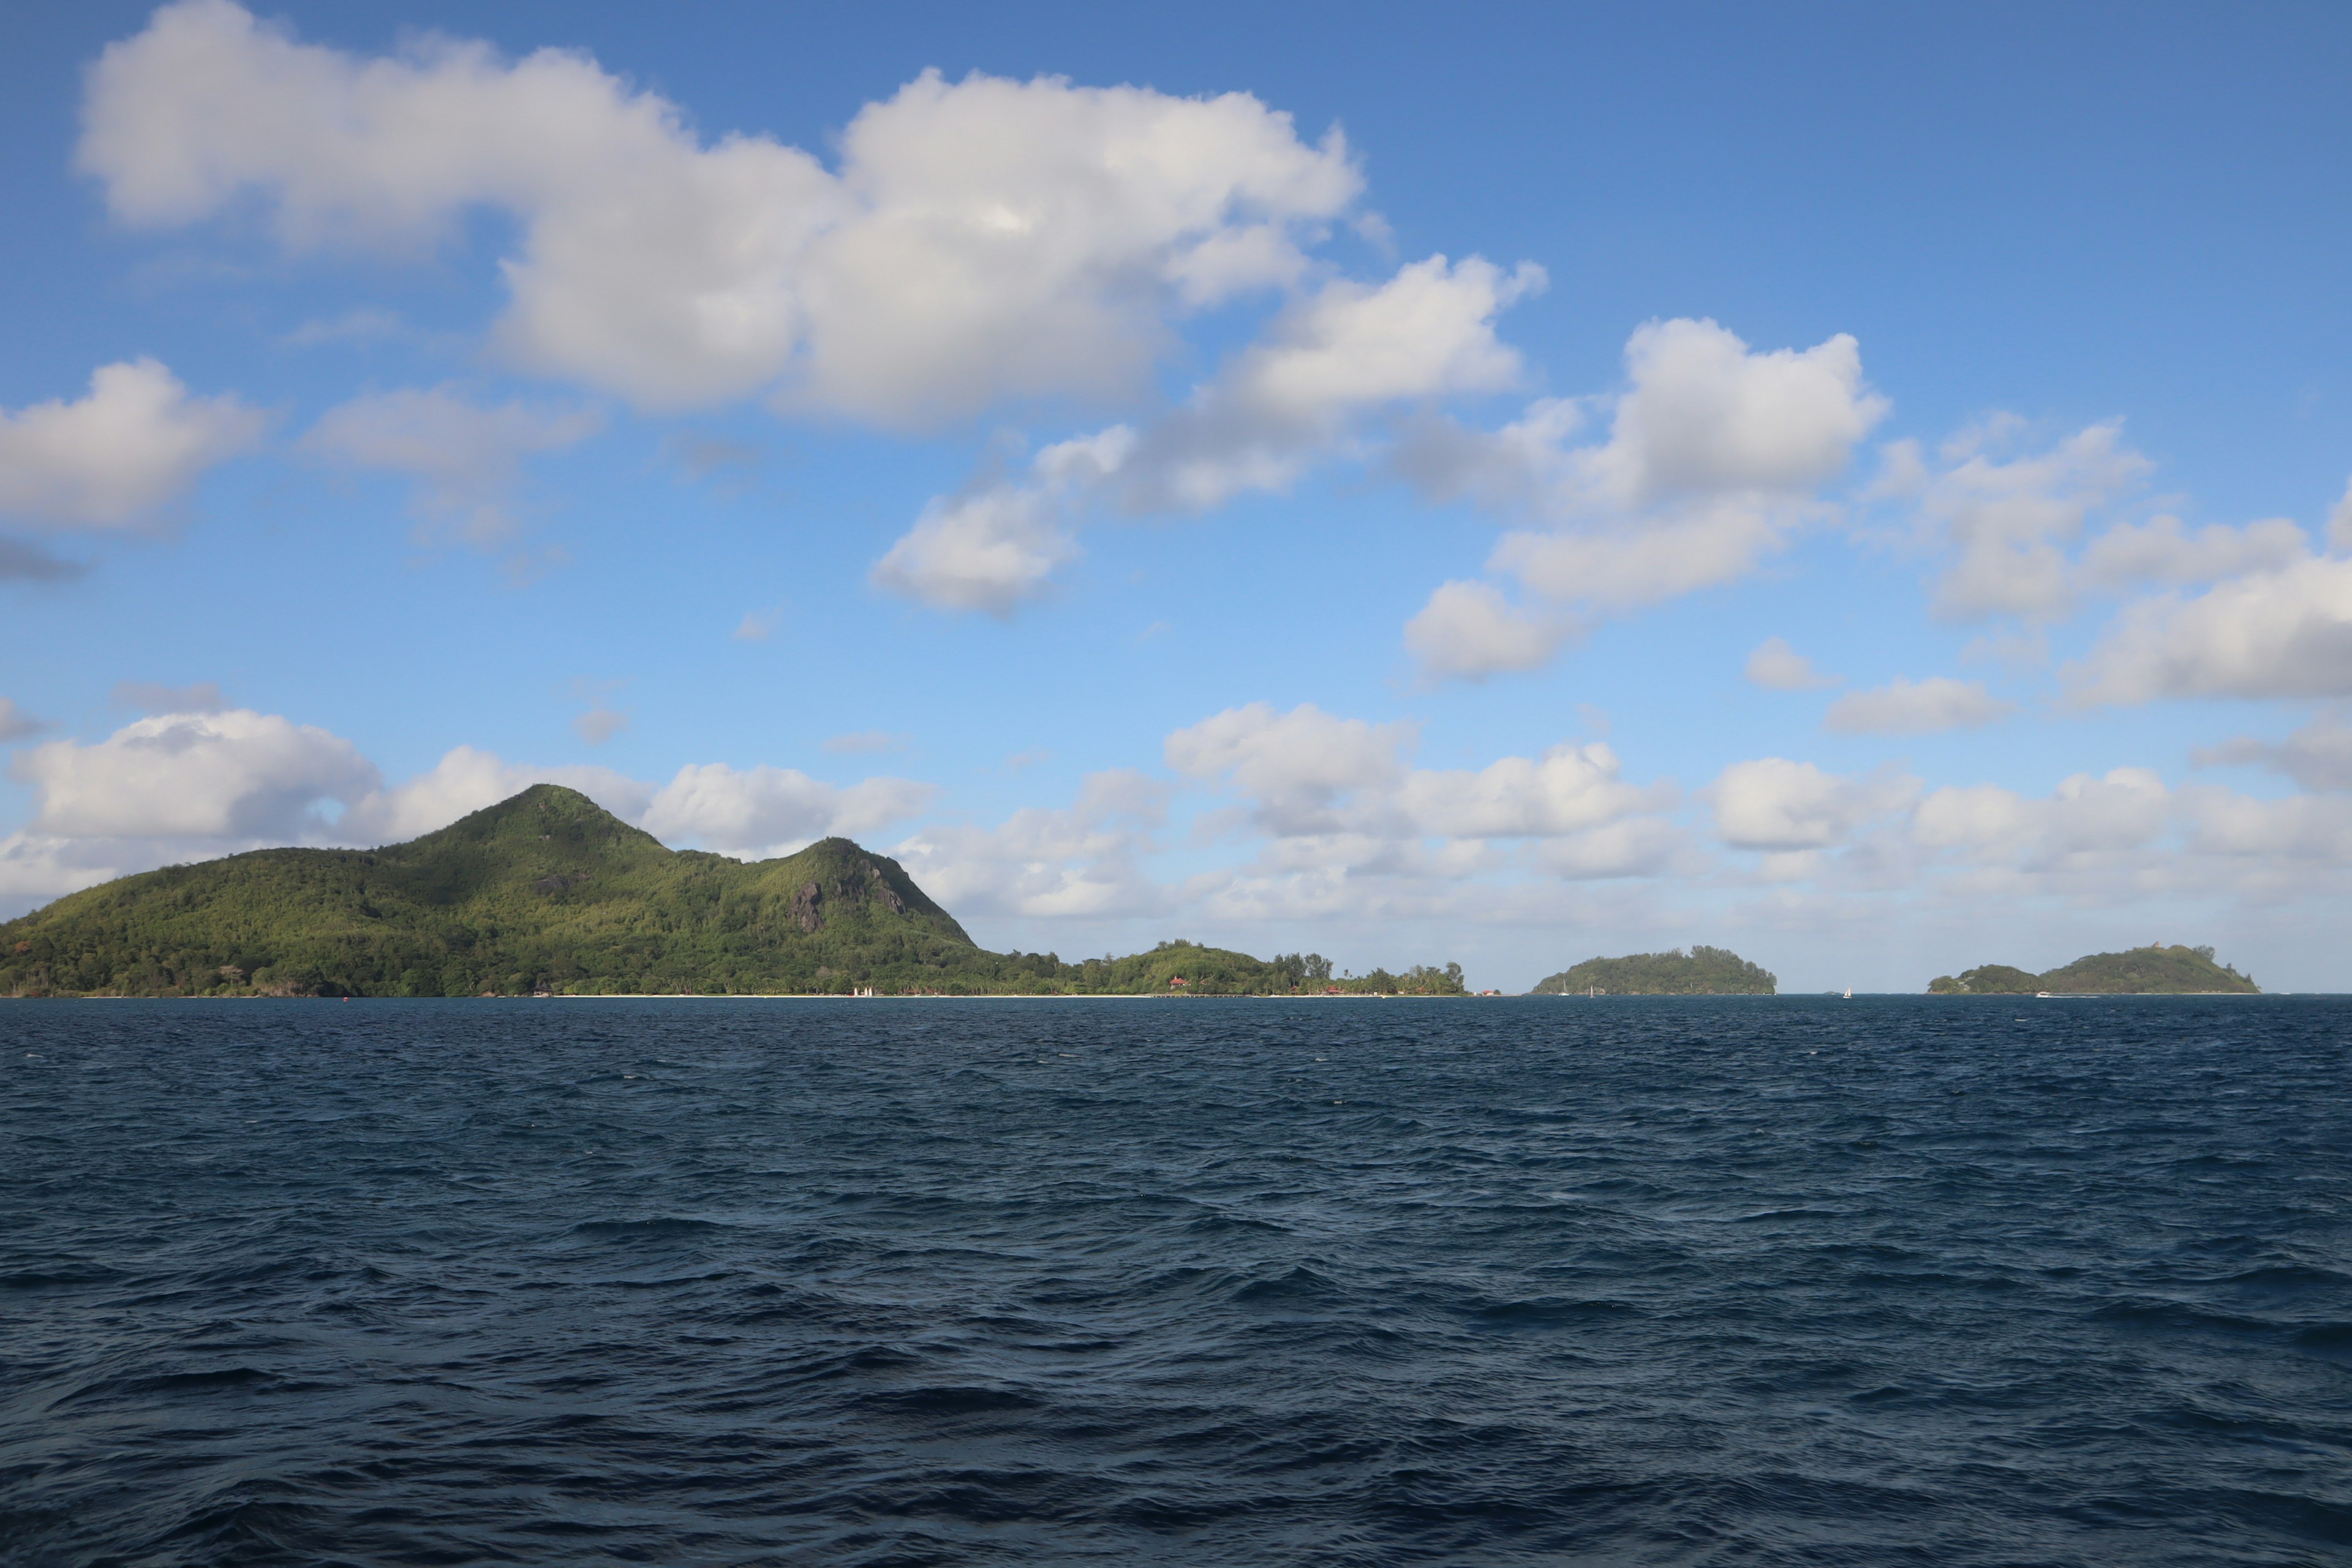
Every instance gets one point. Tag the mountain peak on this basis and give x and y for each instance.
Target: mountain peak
(544, 811)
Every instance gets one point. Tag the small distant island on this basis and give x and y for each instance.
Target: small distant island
(1701, 971)
(549, 894)
(2154, 970)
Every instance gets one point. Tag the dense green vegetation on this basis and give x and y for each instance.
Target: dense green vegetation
(2151, 971)
(1702, 971)
(548, 892)
(1986, 980)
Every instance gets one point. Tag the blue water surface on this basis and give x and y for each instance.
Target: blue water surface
(1733, 1281)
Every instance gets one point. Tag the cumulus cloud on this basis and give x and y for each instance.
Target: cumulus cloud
(995, 546)
(1308, 774)
(1081, 861)
(978, 239)
(2005, 523)
(465, 456)
(2339, 522)
(2318, 756)
(1298, 396)
(1348, 350)
(1904, 707)
(2085, 825)
(1774, 803)
(2285, 632)
(116, 458)
(1777, 667)
(234, 775)
(1296, 767)
(2163, 550)
(761, 811)
(1714, 453)
(1636, 847)
(1567, 790)
(1469, 630)
(2299, 831)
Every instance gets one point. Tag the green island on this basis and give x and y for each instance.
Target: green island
(1701, 971)
(548, 893)
(2154, 970)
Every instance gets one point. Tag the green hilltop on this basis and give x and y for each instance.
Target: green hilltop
(550, 892)
(2154, 970)
(1702, 971)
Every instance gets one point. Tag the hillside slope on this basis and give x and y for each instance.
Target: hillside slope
(2151, 971)
(1702, 971)
(548, 891)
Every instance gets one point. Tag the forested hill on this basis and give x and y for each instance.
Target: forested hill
(1702, 971)
(2154, 970)
(548, 891)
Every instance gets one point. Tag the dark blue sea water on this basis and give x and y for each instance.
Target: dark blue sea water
(1735, 1281)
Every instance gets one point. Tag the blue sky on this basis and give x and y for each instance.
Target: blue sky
(1866, 488)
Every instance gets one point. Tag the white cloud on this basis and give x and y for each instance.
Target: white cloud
(1469, 630)
(16, 723)
(1078, 862)
(1308, 775)
(1904, 707)
(1705, 416)
(1295, 398)
(2300, 830)
(2163, 550)
(1715, 454)
(1777, 667)
(1296, 767)
(1568, 789)
(990, 549)
(236, 775)
(116, 456)
(2317, 756)
(757, 626)
(1636, 846)
(1702, 416)
(761, 811)
(2339, 522)
(2085, 818)
(1663, 558)
(1348, 350)
(979, 239)
(2006, 524)
(467, 457)
(2287, 632)
(1775, 804)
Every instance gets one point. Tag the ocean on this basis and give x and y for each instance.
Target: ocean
(1531, 1280)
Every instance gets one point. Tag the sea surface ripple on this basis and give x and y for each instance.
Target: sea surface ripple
(1544, 1281)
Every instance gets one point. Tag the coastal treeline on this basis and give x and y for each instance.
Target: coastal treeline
(2156, 970)
(547, 892)
(1701, 971)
